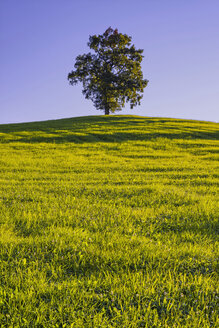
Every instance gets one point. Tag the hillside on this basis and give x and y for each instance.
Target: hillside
(109, 222)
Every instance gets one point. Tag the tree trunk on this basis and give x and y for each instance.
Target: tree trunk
(106, 110)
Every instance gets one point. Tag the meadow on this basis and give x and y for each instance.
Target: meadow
(109, 222)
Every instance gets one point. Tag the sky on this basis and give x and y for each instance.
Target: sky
(40, 40)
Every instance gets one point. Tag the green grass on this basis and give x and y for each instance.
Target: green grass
(109, 222)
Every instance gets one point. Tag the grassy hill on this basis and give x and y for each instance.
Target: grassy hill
(109, 222)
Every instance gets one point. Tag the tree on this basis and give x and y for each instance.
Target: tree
(112, 74)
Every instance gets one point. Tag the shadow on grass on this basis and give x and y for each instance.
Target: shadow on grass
(107, 129)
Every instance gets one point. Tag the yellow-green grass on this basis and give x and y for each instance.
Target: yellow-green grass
(109, 222)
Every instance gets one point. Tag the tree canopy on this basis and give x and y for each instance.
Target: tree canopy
(111, 75)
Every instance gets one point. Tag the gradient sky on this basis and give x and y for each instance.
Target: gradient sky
(40, 40)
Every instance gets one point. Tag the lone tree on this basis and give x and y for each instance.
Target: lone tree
(111, 75)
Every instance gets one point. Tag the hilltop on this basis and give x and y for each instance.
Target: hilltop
(108, 128)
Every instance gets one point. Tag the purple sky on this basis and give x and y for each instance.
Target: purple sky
(41, 38)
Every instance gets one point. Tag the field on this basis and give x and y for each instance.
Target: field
(109, 222)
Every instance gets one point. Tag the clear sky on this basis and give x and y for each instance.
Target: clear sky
(40, 40)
